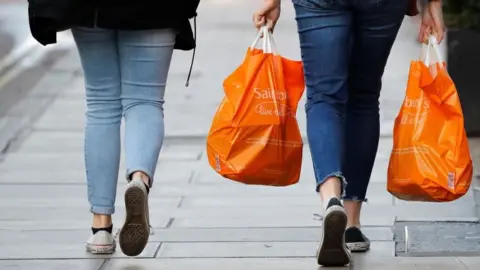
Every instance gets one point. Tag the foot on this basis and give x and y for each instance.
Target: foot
(101, 242)
(356, 241)
(134, 233)
(332, 250)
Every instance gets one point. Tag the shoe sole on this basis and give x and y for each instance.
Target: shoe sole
(332, 251)
(134, 234)
(358, 246)
(107, 249)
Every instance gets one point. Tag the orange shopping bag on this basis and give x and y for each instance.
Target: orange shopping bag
(430, 160)
(254, 138)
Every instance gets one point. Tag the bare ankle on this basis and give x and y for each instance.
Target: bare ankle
(101, 221)
(352, 225)
(353, 209)
(331, 188)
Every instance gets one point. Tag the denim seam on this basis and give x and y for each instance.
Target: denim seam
(354, 199)
(102, 210)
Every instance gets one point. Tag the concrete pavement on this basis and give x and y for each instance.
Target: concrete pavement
(202, 221)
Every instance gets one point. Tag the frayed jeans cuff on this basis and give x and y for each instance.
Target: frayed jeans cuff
(354, 199)
(102, 210)
(129, 173)
(340, 176)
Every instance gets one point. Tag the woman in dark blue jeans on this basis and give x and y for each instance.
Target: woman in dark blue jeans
(345, 45)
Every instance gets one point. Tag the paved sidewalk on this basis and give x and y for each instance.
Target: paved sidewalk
(201, 221)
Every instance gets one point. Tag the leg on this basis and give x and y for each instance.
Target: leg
(99, 57)
(325, 45)
(325, 29)
(145, 59)
(375, 26)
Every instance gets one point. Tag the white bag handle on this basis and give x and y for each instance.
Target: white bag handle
(427, 51)
(268, 44)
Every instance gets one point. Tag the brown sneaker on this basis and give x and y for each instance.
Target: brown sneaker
(135, 232)
(332, 250)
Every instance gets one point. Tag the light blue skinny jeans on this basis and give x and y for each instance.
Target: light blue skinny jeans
(125, 75)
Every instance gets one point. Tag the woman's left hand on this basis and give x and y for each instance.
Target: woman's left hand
(432, 22)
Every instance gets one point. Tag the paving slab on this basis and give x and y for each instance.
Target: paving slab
(72, 143)
(69, 223)
(89, 264)
(46, 176)
(176, 235)
(61, 251)
(290, 264)
(205, 174)
(314, 211)
(256, 250)
(66, 114)
(173, 235)
(77, 217)
(55, 200)
(76, 161)
(269, 222)
(423, 239)
(470, 262)
(462, 210)
(51, 236)
(159, 214)
(264, 201)
(437, 263)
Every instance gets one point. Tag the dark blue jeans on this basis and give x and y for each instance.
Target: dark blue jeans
(345, 45)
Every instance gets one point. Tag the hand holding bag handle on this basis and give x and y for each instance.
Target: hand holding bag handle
(427, 50)
(269, 45)
(431, 55)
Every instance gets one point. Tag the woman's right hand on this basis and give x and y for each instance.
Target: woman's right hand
(267, 15)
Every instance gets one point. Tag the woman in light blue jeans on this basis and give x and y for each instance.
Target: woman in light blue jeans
(125, 75)
(125, 48)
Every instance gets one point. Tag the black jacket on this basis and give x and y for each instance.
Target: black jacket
(47, 17)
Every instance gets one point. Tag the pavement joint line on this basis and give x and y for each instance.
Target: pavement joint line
(155, 254)
(16, 137)
(103, 264)
(462, 263)
(169, 223)
(180, 202)
(193, 175)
